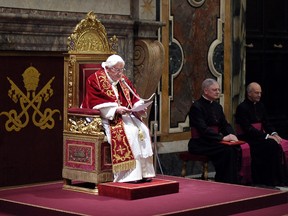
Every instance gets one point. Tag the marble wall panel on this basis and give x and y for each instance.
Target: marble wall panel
(98, 6)
(47, 31)
(144, 9)
(195, 29)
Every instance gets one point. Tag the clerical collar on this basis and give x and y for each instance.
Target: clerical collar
(207, 99)
(250, 101)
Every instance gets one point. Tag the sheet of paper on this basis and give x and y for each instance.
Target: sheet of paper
(141, 107)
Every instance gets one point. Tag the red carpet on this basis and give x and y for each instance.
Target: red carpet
(132, 191)
(195, 197)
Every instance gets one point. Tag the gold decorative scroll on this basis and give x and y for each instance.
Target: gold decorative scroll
(90, 36)
(85, 125)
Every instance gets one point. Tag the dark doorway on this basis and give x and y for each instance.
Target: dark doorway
(267, 56)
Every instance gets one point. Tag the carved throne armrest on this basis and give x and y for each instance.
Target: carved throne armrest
(85, 121)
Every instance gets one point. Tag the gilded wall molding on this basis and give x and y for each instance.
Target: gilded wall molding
(176, 61)
(216, 48)
(176, 56)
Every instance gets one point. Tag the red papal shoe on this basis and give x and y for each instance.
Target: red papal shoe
(146, 180)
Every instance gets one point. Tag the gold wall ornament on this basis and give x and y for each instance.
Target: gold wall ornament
(31, 79)
(113, 42)
(17, 121)
(89, 36)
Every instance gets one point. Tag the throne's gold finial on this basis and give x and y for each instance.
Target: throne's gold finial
(89, 36)
(91, 15)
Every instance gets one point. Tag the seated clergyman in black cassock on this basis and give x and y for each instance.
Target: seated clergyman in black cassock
(210, 127)
(268, 162)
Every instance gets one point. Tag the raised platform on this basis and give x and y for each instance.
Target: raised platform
(278, 210)
(195, 197)
(131, 191)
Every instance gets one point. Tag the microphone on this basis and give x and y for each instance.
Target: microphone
(149, 99)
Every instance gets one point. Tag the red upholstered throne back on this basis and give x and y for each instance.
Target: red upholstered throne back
(85, 70)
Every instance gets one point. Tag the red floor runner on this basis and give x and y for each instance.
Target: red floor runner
(195, 197)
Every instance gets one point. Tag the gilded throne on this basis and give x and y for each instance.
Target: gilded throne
(86, 155)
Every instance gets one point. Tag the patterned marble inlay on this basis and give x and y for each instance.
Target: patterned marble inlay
(196, 3)
(218, 58)
(147, 9)
(176, 58)
(195, 28)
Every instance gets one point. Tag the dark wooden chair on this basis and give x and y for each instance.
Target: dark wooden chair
(186, 156)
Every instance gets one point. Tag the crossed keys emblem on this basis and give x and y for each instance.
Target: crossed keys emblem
(17, 121)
